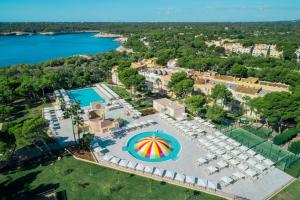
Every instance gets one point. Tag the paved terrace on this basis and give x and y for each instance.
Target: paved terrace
(191, 150)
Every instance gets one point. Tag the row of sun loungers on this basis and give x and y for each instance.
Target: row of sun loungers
(159, 172)
(232, 154)
(135, 125)
(52, 115)
(136, 114)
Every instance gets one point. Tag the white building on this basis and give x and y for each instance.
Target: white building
(170, 108)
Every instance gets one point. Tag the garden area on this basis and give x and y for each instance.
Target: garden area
(139, 103)
(82, 180)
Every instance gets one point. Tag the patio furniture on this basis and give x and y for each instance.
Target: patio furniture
(251, 152)
(222, 164)
(259, 157)
(228, 147)
(210, 156)
(226, 157)
(131, 165)
(251, 173)
(190, 180)
(211, 186)
(201, 183)
(237, 176)
(211, 169)
(123, 163)
(201, 161)
(260, 167)
(234, 162)
(107, 157)
(180, 178)
(242, 167)
(115, 160)
(225, 181)
(251, 162)
(235, 152)
(139, 167)
(149, 169)
(243, 157)
(268, 162)
(220, 152)
(244, 148)
(169, 175)
(158, 172)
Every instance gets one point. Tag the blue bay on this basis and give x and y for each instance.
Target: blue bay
(38, 48)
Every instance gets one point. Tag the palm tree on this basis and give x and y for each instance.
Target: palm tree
(72, 112)
(158, 84)
(77, 121)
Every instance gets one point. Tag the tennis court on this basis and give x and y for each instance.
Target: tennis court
(280, 156)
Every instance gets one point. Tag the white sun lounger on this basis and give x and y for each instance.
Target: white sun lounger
(107, 157)
(131, 165)
(180, 178)
(238, 175)
(149, 169)
(158, 172)
(225, 180)
(190, 180)
(123, 163)
(169, 175)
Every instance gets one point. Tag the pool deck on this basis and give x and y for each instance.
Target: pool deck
(186, 162)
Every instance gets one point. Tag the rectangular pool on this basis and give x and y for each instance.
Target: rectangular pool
(85, 96)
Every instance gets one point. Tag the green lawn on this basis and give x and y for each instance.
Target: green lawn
(122, 92)
(292, 192)
(87, 181)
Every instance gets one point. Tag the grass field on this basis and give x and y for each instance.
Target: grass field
(87, 181)
(292, 192)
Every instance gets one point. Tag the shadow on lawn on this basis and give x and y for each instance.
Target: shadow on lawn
(33, 163)
(20, 188)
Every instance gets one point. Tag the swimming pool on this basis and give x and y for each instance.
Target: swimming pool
(154, 146)
(85, 96)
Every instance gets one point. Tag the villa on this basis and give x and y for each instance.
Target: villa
(170, 108)
(237, 48)
(239, 87)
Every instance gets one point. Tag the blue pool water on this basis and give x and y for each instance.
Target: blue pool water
(172, 142)
(38, 48)
(85, 96)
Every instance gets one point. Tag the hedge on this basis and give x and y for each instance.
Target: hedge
(286, 136)
(295, 147)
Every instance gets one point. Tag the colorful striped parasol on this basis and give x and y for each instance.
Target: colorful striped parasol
(153, 147)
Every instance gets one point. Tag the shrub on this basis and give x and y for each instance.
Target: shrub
(285, 136)
(295, 147)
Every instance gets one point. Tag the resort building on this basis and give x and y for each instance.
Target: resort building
(115, 76)
(239, 87)
(260, 50)
(157, 79)
(172, 63)
(273, 52)
(237, 48)
(170, 108)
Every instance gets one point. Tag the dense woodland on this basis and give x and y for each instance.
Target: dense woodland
(23, 86)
